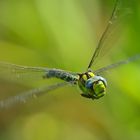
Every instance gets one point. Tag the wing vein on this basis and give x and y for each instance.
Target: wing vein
(104, 34)
(28, 95)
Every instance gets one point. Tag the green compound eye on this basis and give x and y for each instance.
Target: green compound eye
(99, 89)
(94, 87)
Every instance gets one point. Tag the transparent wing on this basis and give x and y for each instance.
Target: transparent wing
(112, 66)
(16, 72)
(14, 68)
(28, 95)
(114, 16)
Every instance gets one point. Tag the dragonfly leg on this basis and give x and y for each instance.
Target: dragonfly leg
(86, 95)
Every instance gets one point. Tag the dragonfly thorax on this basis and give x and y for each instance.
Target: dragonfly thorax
(92, 86)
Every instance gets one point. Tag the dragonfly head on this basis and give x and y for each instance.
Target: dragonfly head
(92, 86)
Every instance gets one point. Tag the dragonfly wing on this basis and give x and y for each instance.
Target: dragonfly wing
(14, 67)
(120, 63)
(17, 72)
(106, 41)
(28, 95)
(21, 72)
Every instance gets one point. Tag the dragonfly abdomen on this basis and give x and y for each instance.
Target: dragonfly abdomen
(60, 74)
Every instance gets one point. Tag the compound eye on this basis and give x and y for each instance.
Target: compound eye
(89, 84)
(99, 88)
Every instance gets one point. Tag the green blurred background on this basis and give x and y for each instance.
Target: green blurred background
(63, 34)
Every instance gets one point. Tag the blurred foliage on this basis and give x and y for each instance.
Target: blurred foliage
(62, 34)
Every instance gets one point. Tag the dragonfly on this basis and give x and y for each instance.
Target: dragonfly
(90, 82)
